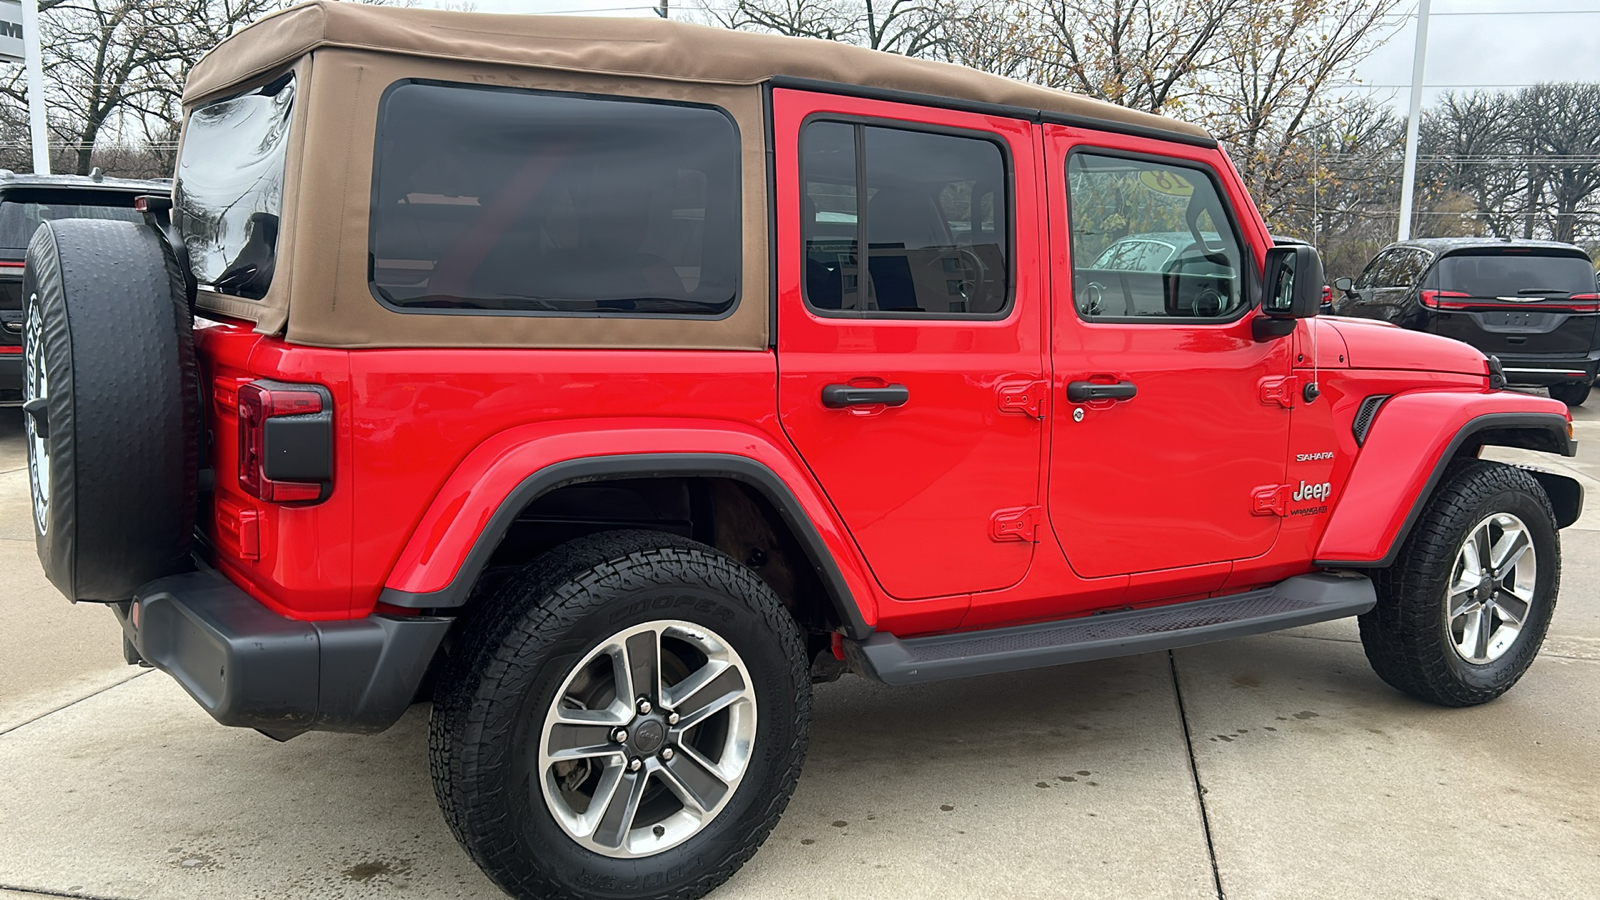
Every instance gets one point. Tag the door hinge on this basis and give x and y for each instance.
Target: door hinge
(1019, 523)
(1026, 399)
(1279, 391)
(1269, 500)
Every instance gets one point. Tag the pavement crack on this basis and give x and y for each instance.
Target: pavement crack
(42, 892)
(44, 715)
(1194, 775)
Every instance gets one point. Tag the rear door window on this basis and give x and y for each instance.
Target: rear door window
(1398, 268)
(503, 201)
(1516, 275)
(935, 222)
(228, 194)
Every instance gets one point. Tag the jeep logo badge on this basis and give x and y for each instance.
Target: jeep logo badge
(1309, 491)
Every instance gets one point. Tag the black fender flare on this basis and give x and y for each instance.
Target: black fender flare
(644, 465)
(1545, 432)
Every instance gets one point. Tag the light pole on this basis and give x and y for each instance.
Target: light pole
(1413, 122)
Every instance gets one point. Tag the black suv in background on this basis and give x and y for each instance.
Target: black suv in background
(27, 200)
(1534, 304)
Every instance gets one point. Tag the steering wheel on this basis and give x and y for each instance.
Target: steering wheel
(974, 275)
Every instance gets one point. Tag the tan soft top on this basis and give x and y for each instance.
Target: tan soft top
(637, 47)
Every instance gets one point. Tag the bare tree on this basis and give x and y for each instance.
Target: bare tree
(118, 65)
(1275, 81)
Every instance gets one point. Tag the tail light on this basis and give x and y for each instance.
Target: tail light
(285, 441)
(1431, 300)
(1585, 303)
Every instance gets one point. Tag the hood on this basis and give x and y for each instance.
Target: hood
(1379, 345)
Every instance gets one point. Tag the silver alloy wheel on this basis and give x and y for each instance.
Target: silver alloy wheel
(36, 386)
(1491, 591)
(647, 739)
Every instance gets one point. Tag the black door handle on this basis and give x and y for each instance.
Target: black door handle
(1084, 391)
(839, 396)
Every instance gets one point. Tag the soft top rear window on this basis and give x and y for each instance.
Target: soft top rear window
(22, 211)
(229, 191)
(1526, 274)
(509, 201)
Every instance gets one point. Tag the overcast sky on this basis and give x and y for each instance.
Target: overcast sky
(1470, 42)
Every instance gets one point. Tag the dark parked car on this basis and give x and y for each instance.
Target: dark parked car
(27, 200)
(1534, 304)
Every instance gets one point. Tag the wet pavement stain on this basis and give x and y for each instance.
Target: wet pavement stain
(1307, 714)
(369, 870)
(840, 823)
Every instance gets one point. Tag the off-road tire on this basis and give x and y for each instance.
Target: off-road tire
(511, 655)
(1570, 394)
(107, 328)
(1406, 636)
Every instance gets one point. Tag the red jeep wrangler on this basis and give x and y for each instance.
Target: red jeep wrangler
(610, 381)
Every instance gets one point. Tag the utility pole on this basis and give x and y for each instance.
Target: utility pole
(1414, 121)
(662, 9)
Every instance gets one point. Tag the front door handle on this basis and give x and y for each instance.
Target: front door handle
(1085, 391)
(839, 396)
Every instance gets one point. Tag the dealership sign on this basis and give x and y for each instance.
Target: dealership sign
(11, 31)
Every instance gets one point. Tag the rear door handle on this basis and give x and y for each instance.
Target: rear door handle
(839, 396)
(1084, 391)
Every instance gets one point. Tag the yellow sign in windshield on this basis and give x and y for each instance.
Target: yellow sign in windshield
(1163, 181)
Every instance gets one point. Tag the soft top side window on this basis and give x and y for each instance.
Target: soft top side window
(1151, 240)
(492, 200)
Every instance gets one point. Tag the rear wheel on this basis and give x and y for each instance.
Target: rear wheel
(1570, 394)
(626, 718)
(1464, 609)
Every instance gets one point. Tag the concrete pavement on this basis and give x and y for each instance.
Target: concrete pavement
(1275, 767)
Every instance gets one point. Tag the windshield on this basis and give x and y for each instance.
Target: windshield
(229, 189)
(20, 217)
(1519, 275)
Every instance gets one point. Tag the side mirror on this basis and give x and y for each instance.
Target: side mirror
(1344, 284)
(1292, 290)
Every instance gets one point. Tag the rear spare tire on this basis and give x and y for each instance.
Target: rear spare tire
(112, 407)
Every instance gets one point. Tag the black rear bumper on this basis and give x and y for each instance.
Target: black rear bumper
(248, 666)
(1545, 370)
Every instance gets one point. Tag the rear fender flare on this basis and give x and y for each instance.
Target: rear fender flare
(467, 520)
(1409, 446)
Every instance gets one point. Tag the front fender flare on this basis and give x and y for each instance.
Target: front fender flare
(462, 527)
(1405, 455)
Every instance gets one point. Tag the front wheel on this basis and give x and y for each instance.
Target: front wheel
(624, 719)
(1570, 394)
(1464, 609)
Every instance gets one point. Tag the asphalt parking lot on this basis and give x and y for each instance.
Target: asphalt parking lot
(1270, 767)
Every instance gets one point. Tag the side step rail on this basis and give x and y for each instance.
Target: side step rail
(1301, 600)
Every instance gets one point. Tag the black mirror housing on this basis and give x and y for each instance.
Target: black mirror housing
(1344, 284)
(1293, 283)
